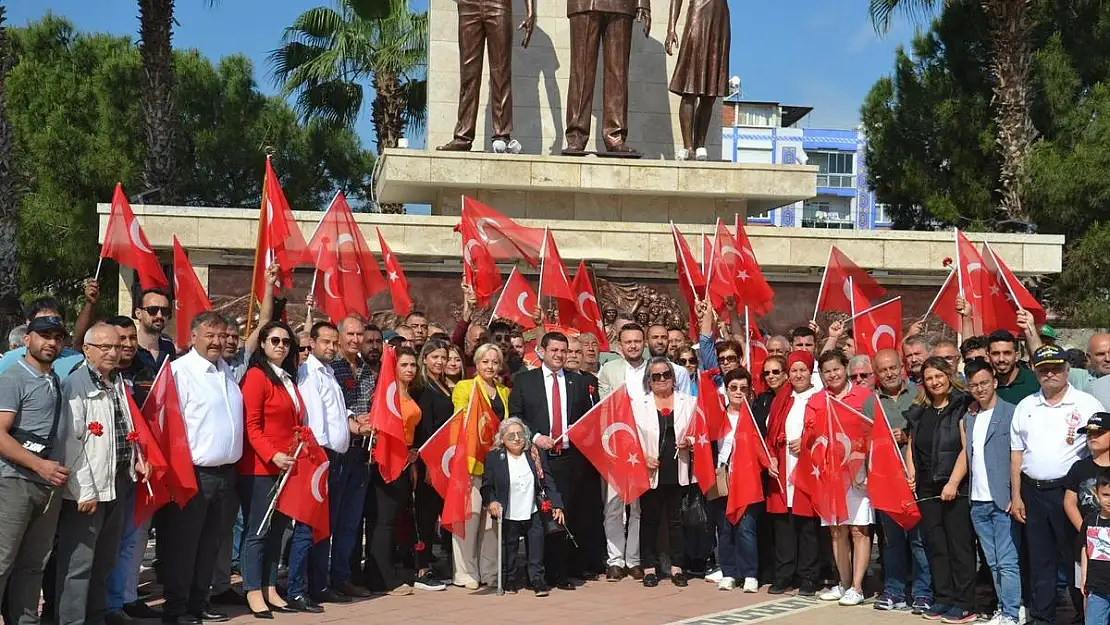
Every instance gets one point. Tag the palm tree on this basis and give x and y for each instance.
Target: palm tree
(9, 203)
(1011, 37)
(327, 55)
(155, 48)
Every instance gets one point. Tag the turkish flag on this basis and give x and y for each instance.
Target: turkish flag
(723, 266)
(756, 350)
(749, 458)
(751, 286)
(152, 495)
(398, 284)
(190, 298)
(279, 238)
(439, 449)
(390, 449)
(706, 253)
(835, 456)
(162, 410)
(474, 438)
(583, 314)
(554, 281)
(125, 243)
(479, 268)
(608, 437)
(836, 291)
(944, 304)
(517, 302)
(1011, 289)
(886, 475)
(704, 464)
(878, 328)
(503, 238)
(355, 276)
(710, 408)
(305, 497)
(691, 279)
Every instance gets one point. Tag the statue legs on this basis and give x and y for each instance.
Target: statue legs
(611, 34)
(484, 24)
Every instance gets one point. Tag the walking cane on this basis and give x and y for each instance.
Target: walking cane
(500, 554)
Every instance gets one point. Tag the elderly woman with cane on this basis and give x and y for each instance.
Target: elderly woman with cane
(518, 489)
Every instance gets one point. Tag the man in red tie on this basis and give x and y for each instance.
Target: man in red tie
(550, 399)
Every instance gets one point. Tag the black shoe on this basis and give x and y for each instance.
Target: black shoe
(679, 579)
(651, 580)
(184, 619)
(349, 589)
(614, 574)
(141, 611)
(285, 609)
(566, 584)
(209, 616)
(117, 618)
(542, 590)
(331, 596)
(807, 589)
(778, 588)
(305, 604)
(265, 614)
(229, 597)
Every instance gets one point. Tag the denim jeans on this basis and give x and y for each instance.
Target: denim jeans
(1098, 609)
(260, 553)
(900, 550)
(1000, 538)
(123, 582)
(737, 545)
(309, 571)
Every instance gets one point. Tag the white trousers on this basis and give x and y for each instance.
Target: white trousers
(623, 551)
(475, 555)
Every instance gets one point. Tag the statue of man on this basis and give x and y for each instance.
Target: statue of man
(606, 26)
(486, 25)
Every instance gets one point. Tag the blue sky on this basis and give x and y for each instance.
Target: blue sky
(819, 53)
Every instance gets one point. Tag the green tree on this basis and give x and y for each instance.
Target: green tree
(328, 54)
(9, 202)
(74, 103)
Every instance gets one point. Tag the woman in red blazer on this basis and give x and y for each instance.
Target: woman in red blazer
(272, 408)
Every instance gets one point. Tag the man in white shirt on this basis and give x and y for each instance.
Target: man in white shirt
(212, 408)
(1046, 438)
(327, 414)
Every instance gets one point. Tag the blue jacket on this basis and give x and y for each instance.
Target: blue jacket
(996, 450)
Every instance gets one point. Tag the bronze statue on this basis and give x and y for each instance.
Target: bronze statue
(601, 25)
(701, 75)
(486, 25)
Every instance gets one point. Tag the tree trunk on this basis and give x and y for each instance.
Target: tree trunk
(156, 31)
(10, 313)
(387, 115)
(1011, 31)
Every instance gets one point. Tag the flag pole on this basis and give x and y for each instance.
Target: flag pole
(277, 493)
(939, 293)
(882, 411)
(762, 443)
(257, 247)
(96, 276)
(821, 288)
(875, 307)
(748, 337)
(711, 267)
(500, 552)
(959, 277)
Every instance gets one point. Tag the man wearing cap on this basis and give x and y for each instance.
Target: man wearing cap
(31, 451)
(1080, 500)
(1046, 439)
(1047, 334)
(66, 360)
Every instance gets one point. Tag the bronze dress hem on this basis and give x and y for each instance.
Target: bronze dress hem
(703, 51)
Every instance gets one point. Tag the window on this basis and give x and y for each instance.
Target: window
(834, 213)
(748, 115)
(835, 169)
(882, 214)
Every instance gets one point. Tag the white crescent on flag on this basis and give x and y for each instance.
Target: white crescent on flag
(608, 434)
(320, 482)
(137, 236)
(879, 332)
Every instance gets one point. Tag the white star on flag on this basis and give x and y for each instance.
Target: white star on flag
(816, 471)
(995, 290)
(703, 440)
(742, 274)
(633, 459)
(393, 276)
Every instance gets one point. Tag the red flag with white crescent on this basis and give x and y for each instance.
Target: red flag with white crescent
(583, 314)
(1009, 293)
(479, 267)
(190, 298)
(554, 281)
(390, 447)
(439, 449)
(607, 435)
(395, 276)
(279, 237)
(746, 464)
(305, 497)
(691, 279)
(845, 282)
(501, 236)
(517, 302)
(162, 410)
(878, 328)
(125, 243)
(347, 271)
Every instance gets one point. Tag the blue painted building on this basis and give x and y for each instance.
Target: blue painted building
(770, 132)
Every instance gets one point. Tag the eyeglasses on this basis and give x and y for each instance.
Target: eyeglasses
(980, 386)
(277, 340)
(106, 348)
(663, 375)
(860, 376)
(729, 358)
(514, 436)
(304, 348)
(687, 361)
(772, 372)
(154, 311)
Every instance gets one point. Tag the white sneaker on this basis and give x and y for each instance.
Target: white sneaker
(751, 584)
(683, 155)
(513, 147)
(1023, 616)
(726, 583)
(851, 597)
(1005, 620)
(832, 594)
(701, 154)
(995, 618)
(715, 577)
(499, 146)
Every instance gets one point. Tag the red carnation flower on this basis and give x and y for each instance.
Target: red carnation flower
(546, 505)
(714, 371)
(349, 383)
(590, 389)
(666, 412)
(96, 428)
(132, 437)
(419, 546)
(947, 261)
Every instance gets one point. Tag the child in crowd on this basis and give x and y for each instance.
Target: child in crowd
(1096, 556)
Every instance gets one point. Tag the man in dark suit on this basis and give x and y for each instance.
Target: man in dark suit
(588, 522)
(550, 399)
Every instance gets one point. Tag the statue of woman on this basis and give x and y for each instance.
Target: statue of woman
(701, 75)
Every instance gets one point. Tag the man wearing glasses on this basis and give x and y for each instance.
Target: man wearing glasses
(152, 313)
(860, 372)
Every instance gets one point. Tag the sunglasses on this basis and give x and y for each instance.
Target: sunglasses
(665, 375)
(304, 348)
(514, 436)
(860, 376)
(154, 311)
(687, 361)
(277, 340)
(728, 359)
(772, 372)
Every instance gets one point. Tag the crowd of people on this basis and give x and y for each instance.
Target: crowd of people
(1009, 460)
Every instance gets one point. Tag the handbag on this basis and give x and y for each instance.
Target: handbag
(693, 510)
(719, 488)
(550, 526)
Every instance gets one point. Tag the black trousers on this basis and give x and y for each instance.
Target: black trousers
(381, 525)
(1051, 545)
(429, 505)
(659, 503)
(588, 522)
(947, 530)
(795, 549)
(532, 531)
(560, 555)
(194, 536)
(766, 538)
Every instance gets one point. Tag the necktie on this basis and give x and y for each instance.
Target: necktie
(556, 412)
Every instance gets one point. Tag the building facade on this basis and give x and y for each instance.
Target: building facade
(770, 132)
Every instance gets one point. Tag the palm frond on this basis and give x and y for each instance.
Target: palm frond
(415, 93)
(882, 11)
(333, 103)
